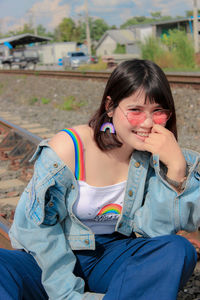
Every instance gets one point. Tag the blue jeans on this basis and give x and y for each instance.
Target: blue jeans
(124, 268)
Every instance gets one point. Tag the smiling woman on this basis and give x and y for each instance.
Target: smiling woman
(97, 187)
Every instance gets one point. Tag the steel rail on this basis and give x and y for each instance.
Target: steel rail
(19, 145)
(192, 79)
(15, 141)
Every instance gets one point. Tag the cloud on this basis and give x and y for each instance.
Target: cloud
(9, 23)
(50, 10)
(106, 3)
(79, 9)
(125, 15)
(173, 7)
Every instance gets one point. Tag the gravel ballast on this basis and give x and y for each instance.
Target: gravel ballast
(41, 100)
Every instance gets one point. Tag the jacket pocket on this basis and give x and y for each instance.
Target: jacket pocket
(38, 199)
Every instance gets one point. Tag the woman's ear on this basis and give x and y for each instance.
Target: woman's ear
(109, 106)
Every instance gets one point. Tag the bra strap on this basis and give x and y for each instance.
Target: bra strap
(79, 155)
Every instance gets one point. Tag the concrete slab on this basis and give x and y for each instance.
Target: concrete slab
(10, 201)
(38, 130)
(3, 171)
(5, 184)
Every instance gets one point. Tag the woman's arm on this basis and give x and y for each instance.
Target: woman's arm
(37, 228)
(166, 211)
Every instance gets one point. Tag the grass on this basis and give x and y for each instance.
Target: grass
(100, 66)
(1, 88)
(33, 100)
(70, 103)
(45, 100)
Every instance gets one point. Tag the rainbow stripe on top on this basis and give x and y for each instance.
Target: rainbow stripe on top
(110, 209)
(79, 156)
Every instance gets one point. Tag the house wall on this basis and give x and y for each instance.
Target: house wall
(133, 49)
(107, 47)
(145, 33)
(51, 53)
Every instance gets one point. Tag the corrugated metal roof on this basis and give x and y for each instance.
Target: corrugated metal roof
(23, 39)
(121, 36)
(172, 21)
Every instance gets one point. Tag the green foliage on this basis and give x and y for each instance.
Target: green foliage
(65, 30)
(156, 16)
(70, 103)
(174, 50)
(45, 100)
(33, 100)
(100, 66)
(189, 13)
(152, 49)
(41, 30)
(179, 44)
(120, 49)
(68, 30)
(98, 28)
(1, 88)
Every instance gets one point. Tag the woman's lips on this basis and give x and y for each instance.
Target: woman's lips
(141, 135)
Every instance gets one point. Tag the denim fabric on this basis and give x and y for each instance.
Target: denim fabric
(45, 225)
(121, 267)
(127, 268)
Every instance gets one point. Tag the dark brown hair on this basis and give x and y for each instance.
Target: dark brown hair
(125, 80)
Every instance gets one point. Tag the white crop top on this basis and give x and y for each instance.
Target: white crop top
(99, 207)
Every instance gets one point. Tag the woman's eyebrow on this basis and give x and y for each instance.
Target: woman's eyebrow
(142, 106)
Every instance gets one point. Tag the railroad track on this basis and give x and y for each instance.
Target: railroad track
(17, 144)
(177, 79)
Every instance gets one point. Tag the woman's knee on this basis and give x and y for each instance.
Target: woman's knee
(179, 247)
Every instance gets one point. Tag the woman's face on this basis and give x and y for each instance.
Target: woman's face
(133, 131)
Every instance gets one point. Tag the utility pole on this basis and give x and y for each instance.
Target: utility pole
(32, 19)
(87, 27)
(195, 27)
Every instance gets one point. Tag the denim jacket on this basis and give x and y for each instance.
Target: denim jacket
(45, 226)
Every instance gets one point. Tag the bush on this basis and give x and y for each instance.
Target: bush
(120, 49)
(174, 51)
(182, 48)
(152, 49)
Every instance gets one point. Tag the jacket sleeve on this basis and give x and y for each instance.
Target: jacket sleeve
(37, 228)
(164, 211)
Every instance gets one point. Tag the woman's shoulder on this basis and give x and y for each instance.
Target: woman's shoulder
(62, 142)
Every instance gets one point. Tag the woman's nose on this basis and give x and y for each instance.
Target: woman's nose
(148, 122)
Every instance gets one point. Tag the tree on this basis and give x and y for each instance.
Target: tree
(98, 28)
(66, 31)
(145, 20)
(156, 14)
(41, 30)
(189, 13)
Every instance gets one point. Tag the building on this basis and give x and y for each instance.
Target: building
(53, 53)
(134, 35)
(10, 44)
(111, 38)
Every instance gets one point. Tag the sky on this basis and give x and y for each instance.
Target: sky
(15, 13)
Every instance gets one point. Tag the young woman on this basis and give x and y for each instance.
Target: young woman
(99, 218)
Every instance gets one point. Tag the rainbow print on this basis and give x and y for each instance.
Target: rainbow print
(110, 209)
(79, 156)
(106, 126)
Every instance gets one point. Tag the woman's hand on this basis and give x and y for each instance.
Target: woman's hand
(161, 141)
